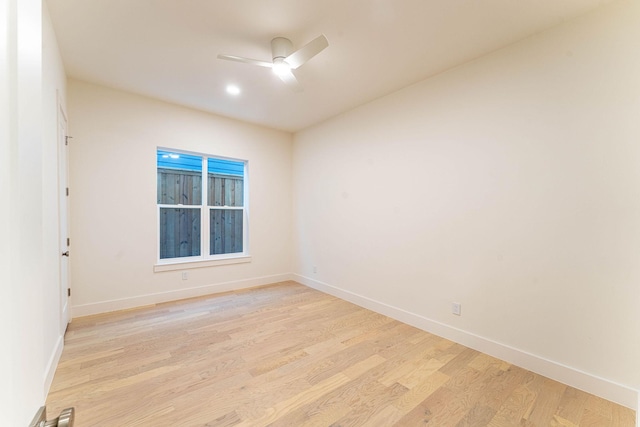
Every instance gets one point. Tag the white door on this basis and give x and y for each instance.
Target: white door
(63, 179)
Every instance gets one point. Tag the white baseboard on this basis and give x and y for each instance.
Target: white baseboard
(52, 364)
(595, 385)
(142, 300)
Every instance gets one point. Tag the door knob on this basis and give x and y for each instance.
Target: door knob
(65, 253)
(64, 420)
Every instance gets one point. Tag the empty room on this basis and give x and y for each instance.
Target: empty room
(320, 213)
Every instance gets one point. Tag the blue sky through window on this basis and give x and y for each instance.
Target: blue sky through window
(172, 160)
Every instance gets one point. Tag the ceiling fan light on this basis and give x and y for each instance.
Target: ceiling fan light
(280, 67)
(233, 90)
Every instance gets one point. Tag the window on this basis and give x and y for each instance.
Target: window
(201, 206)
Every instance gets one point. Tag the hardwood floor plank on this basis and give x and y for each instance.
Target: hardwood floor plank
(276, 362)
(420, 392)
(572, 405)
(435, 406)
(325, 416)
(372, 397)
(483, 362)
(287, 355)
(423, 371)
(479, 415)
(513, 410)
(622, 416)
(547, 402)
(501, 385)
(314, 392)
(362, 394)
(460, 361)
(594, 419)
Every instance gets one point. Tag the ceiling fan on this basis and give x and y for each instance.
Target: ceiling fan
(284, 60)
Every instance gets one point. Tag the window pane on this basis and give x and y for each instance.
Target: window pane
(179, 178)
(226, 182)
(179, 232)
(226, 231)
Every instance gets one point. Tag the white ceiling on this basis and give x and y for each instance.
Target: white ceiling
(167, 49)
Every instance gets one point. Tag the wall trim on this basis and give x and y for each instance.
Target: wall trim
(576, 378)
(52, 364)
(155, 298)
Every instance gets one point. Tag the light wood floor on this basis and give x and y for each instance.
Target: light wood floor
(287, 355)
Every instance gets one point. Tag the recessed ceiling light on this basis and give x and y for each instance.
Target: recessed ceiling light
(233, 90)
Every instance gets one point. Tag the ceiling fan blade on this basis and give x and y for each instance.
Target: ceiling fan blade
(290, 80)
(246, 60)
(307, 52)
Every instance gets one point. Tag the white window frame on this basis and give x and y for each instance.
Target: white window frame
(205, 259)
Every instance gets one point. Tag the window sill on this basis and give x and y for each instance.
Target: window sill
(182, 265)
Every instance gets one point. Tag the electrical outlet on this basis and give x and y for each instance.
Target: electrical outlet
(185, 275)
(456, 308)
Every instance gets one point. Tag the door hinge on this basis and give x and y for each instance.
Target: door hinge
(68, 241)
(66, 140)
(67, 191)
(68, 292)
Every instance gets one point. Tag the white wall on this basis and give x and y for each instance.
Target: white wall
(27, 264)
(8, 63)
(511, 185)
(113, 198)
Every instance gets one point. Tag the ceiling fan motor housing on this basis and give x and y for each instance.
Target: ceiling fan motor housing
(281, 48)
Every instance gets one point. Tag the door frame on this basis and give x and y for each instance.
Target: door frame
(63, 216)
